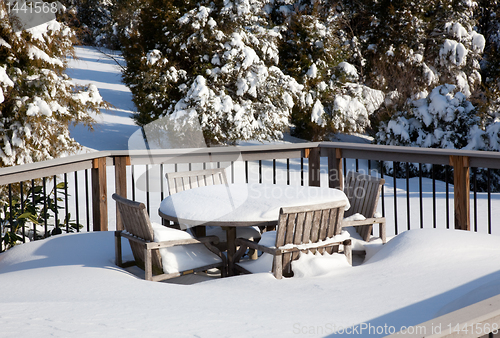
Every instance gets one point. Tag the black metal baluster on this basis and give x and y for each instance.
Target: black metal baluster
(287, 171)
(232, 172)
(408, 195)
(56, 211)
(434, 196)
(133, 180)
(33, 201)
(474, 171)
(383, 186)
(87, 208)
(11, 219)
(147, 188)
(66, 207)
(274, 171)
(44, 184)
(447, 197)
(23, 230)
(489, 201)
(301, 171)
(161, 181)
(421, 196)
(77, 205)
(260, 171)
(395, 198)
(246, 171)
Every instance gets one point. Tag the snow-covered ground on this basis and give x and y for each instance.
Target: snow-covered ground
(68, 285)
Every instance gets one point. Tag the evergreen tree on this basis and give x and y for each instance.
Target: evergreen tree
(37, 100)
(215, 61)
(91, 20)
(314, 50)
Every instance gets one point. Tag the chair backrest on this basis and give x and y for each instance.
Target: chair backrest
(185, 180)
(136, 222)
(307, 224)
(363, 192)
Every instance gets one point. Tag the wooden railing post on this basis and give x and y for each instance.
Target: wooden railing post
(461, 182)
(313, 154)
(121, 163)
(99, 195)
(335, 170)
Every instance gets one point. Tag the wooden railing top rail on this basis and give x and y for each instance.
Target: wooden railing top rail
(487, 159)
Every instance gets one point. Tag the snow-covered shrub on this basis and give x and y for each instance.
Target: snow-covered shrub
(443, 119)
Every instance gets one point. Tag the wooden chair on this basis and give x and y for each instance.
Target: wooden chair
(300, 229)
(185, 180)
(363, 192)
(139, 232)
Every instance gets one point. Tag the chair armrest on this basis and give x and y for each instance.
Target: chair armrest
(366, 221)
(168, 244)
(242, 242)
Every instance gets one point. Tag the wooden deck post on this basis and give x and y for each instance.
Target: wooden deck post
(99, 195)
(335, 170)
(461, 182)
(121, 163)
(313, 154)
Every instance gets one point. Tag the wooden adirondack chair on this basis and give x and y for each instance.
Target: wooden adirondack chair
(363, 192)
(299, 230)
(185, 180)
(139, 232)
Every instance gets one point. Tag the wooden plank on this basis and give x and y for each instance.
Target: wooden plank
(316, 220)
(314, 167)
(323, 226)
(99, 195)
(281, 230)
(287, 257)
(299, 230)
(461, 183)
(335, 169)
(333, 226)
(120, 183)
(306, 234)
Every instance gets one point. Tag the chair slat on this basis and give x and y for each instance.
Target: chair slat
(290, 229)
(306, 234)
(299, 231)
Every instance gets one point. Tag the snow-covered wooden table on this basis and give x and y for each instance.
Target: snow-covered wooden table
(238, 205)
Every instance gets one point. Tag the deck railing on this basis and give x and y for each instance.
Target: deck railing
(90, 176)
